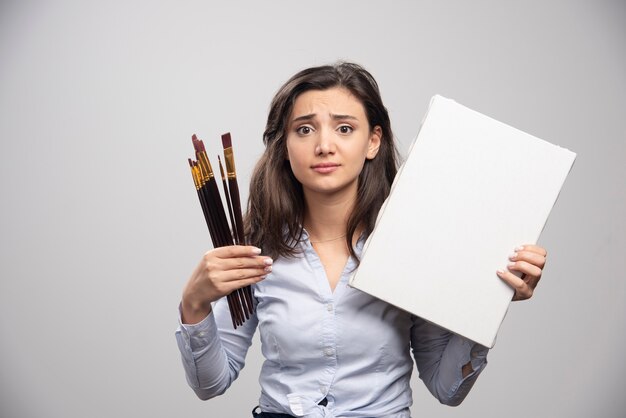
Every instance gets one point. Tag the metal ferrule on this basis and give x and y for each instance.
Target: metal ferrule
(229, 158)
(195, 173)
(205, 167)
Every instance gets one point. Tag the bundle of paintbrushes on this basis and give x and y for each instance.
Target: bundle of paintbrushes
(239, 301)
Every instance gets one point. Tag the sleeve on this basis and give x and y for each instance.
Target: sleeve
(212, 351)
(440, 356)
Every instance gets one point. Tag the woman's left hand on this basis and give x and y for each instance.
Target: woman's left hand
(528, 260)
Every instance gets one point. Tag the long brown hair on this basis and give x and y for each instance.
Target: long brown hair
(276, 203)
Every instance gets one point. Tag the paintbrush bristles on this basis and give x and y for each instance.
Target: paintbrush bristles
(219, 160)
(226, 140)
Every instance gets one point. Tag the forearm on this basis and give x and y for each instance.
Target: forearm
(448, 363)
(213, 353)
(459, 368)
(193, 313)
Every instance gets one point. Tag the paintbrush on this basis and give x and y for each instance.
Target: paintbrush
(233, 188)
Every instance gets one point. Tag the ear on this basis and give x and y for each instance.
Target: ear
(374, 142)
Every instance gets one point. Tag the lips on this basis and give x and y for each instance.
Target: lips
(325, 168)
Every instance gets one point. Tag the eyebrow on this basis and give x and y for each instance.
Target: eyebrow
(332, 115)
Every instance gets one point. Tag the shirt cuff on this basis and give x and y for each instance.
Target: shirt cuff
(478, 356)
(468, 351)
(197, 336)
(463, 351)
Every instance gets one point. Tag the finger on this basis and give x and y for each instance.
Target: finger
(231, 251)
(213, 264)
(525, 268)
(237, 284)
(521, 287)
(241, 275)
(227, 287)
(258, 262)
(529, 257)
(533, 248)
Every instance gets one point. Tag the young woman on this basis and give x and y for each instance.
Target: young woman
(330, 350)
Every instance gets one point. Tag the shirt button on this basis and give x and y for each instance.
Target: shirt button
(329, 307)
(328, 351)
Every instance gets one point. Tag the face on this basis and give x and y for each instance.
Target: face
(328, 141)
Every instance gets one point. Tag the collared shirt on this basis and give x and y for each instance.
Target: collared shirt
(345, 346)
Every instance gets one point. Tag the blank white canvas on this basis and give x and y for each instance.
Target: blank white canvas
(470, 191)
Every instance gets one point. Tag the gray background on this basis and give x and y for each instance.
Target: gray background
(101, 227)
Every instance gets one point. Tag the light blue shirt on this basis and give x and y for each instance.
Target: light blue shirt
(345, 346)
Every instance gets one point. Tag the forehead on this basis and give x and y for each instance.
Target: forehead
(336, 100)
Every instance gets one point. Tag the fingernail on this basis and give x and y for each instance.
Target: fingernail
(256, 250)
(268, 261)
(512, 256)
(520, 248)
(268, 269)
(263, 277)
(500, 272)
(510, 265)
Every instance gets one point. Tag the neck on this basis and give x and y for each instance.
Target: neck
(326, 217)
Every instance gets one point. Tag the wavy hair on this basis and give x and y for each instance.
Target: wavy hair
(275, 215)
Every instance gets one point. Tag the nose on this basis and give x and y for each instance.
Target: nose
(325, 143)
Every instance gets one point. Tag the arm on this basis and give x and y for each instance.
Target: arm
(447, 363)
(213, 352)
(450, 364)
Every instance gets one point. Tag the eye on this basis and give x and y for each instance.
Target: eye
(304, 130)
(345, 129)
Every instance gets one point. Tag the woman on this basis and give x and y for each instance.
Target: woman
(330, 350)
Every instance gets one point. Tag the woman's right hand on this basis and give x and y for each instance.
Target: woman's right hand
(220, 272)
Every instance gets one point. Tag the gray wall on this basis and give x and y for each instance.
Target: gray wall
(100, 224)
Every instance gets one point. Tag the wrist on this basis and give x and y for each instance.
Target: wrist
(193, 311)
(467, 369)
